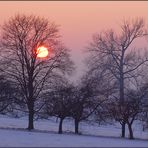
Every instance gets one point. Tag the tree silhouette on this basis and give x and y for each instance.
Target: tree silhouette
(21, 36)
(111, 52)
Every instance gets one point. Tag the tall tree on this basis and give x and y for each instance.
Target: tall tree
(112, 51)
(21, 37)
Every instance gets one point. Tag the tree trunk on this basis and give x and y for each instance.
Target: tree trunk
(30, 102)
(30, 122)
(31, 114)
(121, 90)
(121, 102)
(76, 126)
(60, 125)
(123, 130)
(121, 80)
(130, 131)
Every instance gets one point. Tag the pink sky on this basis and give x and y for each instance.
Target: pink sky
(79, 20)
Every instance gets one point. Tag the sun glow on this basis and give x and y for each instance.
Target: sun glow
(42, 52)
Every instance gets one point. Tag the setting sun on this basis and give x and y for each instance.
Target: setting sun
(42, 52)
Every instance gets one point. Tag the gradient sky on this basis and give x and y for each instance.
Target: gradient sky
(78, 20)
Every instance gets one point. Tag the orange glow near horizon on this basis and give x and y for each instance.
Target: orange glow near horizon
(42, 52)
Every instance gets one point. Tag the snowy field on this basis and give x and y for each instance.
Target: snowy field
(14, 134)
(15, 138)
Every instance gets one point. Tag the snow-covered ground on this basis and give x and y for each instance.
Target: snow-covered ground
(15, 138)
(13, 133)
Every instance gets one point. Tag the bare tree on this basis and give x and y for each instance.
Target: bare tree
(82, 105)
(128, 113)
(7, 94)
(133, 107)
(58, 102)
(112, 52)
(21, 37)
(89, 95)
(144, 93)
